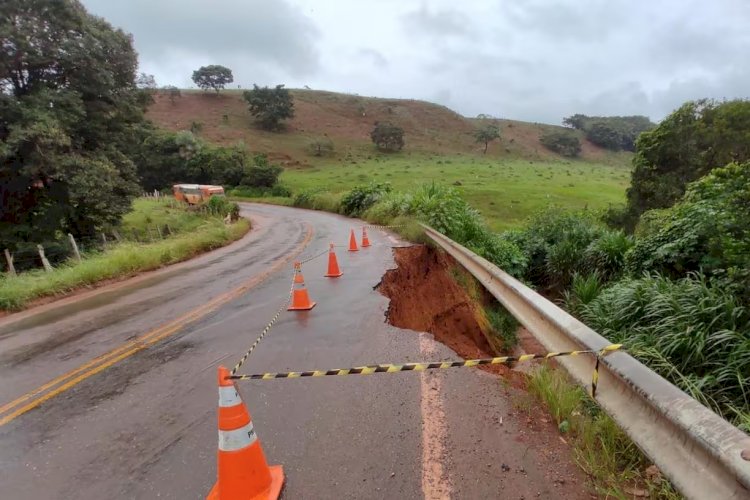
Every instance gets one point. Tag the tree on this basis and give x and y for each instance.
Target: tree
(261, 173)
(688, 144)
(486, 135)
(270, 105)
(145, 82)
(69, 116)
(387, 136)
(212, 77)
(320, 146)
(706, 230)
(562, 142)
(610, 132)
(173, 93)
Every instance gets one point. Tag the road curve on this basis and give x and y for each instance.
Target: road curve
(112, 393)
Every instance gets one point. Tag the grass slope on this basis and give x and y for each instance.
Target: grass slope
(197, 234)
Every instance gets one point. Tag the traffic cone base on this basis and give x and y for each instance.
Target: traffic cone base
(301, 304)
(272, 493)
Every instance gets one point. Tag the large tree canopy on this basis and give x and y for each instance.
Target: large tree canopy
(688, 144)
(69, 111)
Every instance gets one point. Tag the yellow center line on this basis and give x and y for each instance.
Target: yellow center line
(67, 380)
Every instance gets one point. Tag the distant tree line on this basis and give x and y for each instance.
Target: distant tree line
(610, 132)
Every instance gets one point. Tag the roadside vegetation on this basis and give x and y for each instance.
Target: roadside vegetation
(157, 233)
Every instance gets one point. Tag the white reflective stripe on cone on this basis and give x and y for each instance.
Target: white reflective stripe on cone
(228, 396)
(238, 438)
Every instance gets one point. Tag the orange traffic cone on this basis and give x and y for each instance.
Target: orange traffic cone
(353, 242)
(333, 265)
(242, 468)
(300, 299)
(365, 239)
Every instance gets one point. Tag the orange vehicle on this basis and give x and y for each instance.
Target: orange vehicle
(196, 194)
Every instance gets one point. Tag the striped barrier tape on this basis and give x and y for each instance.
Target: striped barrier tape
(438, 365)
(309, 259)
(376, 226)
(267, 328)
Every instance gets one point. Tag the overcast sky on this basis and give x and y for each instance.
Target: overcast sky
(535, 60)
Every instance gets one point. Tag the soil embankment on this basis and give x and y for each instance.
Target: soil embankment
(426, 297)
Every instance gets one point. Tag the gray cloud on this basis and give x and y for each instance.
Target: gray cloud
(537, 60)
(251, 36)
(438, 23)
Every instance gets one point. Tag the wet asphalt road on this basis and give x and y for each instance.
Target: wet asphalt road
(143, 426)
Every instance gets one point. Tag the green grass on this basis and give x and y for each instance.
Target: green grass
(199, 234)
(505, 191)
(141, 223)
(611, 460)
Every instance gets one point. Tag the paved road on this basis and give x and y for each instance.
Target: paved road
(111, 394)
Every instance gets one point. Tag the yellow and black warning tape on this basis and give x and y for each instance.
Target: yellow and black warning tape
(267, 327)
(437, 365)
(377, 226)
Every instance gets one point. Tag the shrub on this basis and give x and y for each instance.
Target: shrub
(270, 106)
(707, 230)
(691, 331)
(320, 146)
(261, 173)
(564, 143)
(387, 136)
(606, 254)
(554, 243)
(221, 206)
(360, 198)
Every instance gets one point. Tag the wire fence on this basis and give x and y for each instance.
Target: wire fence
(28, 256)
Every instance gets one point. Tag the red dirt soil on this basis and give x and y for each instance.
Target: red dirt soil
(424, 297)
(347, 120)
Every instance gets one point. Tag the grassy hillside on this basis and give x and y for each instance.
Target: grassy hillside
(516, 177)
(347, 120)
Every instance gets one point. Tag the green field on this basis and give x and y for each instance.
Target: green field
(506, 191)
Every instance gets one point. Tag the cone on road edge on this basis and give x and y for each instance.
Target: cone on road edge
(242, 470)
(365, 239)
(353, 242)
(300, 299)
(333, 265)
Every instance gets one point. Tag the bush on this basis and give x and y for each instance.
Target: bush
(606, 254)
(261, 173)
(708, 230)
(221, 206)
(360, 198)
(318, 200)
(564, 143)
(320, 146)
(387, 137)
(692, 332)
(554, 243)
(443, 209)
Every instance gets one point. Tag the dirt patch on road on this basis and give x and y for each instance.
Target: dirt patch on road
(425, 297)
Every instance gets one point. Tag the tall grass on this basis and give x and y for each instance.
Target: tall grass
(694, 334)
(611, 460)
(120, 261)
